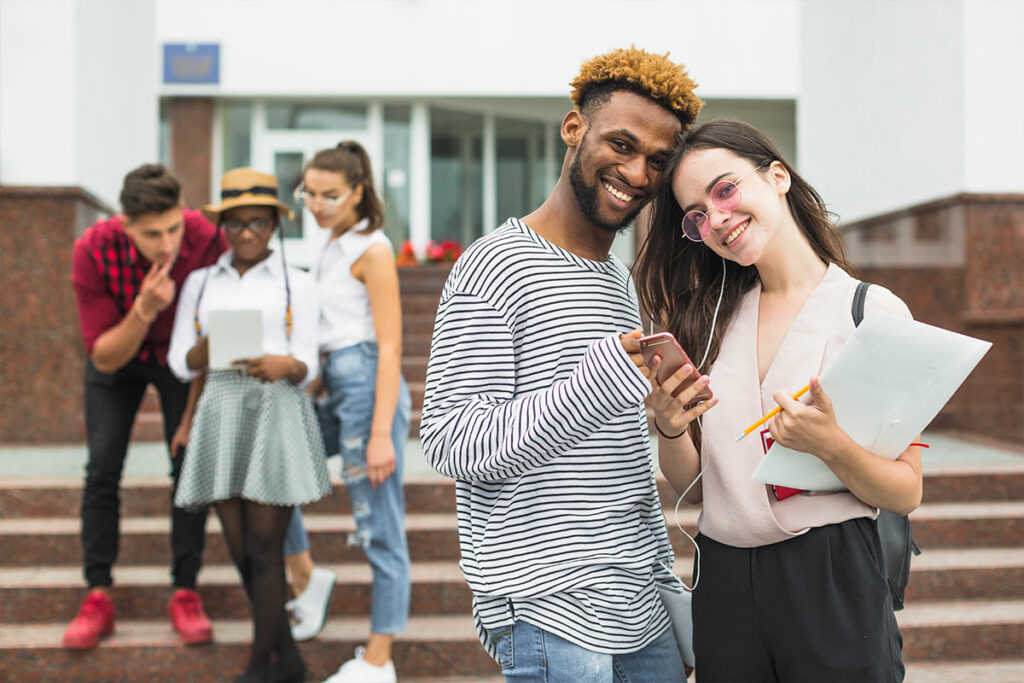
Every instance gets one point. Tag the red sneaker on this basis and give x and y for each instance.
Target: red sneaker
(95, 619)
(188, 617)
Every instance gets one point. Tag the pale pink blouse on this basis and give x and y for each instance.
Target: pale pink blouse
(740, 512)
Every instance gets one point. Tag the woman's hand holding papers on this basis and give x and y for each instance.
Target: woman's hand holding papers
(808, 428)
(270, 368)
(893, 485)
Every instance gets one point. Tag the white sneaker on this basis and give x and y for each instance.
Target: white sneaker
(358, 671)
(310, 609)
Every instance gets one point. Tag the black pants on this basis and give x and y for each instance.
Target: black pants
(111, 402)
(814, 608)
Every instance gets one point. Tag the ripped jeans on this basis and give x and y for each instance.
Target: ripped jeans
(350, 377)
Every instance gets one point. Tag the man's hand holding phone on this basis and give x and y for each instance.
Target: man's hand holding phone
(631, 345)
(680, 393)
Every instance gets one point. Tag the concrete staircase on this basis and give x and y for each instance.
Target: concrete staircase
(964, 620)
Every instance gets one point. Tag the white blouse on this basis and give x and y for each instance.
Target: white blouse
(262, 288)
(345, 315)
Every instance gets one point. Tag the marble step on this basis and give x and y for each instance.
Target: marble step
(52, 593)
(150, 496)
(435, 646)
(434, 536)
(147, 651)
(963, 630)
(145, 540)
(430, 492)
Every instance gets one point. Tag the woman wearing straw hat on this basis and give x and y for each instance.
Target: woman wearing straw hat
(254, 449)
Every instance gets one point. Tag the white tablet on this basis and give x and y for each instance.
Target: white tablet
(234, 335)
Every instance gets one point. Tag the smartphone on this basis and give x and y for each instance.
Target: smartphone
(673, 357)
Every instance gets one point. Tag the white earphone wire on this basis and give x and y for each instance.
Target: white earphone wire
(696, 572)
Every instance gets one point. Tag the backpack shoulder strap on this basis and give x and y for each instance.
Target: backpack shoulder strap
(858, 302)
(893, 529)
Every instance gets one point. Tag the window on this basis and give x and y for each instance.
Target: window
(237, 127)
(288, 169)
(520, 170)
(395, 173)
(456, 176)
(165, 134)
(299, 116)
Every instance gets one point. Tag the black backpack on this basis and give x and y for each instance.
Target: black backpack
(893, 529)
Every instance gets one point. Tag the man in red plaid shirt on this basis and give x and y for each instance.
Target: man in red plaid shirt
(126, 272)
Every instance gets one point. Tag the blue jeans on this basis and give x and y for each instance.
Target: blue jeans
(528, 654)
(350, 377)
(295, 538)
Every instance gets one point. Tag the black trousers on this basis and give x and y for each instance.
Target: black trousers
(111, 402)
(814, 608)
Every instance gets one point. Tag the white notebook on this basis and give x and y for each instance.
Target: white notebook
(234, 335)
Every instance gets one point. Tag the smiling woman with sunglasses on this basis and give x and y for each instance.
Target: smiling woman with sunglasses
(743, 264)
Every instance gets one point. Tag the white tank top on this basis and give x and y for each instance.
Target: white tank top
(345, 316)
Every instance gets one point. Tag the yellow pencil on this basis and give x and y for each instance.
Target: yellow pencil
(771, 414)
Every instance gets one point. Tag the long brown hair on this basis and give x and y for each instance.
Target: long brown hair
(351, 160)
(678, 281)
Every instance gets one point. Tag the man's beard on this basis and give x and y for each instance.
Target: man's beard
(586, 197)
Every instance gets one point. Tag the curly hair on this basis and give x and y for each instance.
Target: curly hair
(650, 75)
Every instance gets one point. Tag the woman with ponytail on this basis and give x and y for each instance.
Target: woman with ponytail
(365, 414)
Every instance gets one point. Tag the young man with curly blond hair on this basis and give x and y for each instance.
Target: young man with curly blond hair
(534, 401)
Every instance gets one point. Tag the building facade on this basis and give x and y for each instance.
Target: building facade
(888, 108)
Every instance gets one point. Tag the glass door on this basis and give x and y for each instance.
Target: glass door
(285, 154)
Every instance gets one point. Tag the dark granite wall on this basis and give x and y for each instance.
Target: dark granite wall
(41, 352)
(982, 296)
(191, 147)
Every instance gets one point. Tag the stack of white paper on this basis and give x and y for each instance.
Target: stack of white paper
(886, 384)
(234, 335)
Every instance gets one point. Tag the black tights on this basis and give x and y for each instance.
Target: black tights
(255, 538)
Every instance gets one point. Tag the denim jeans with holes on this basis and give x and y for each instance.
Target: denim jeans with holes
(350, 377)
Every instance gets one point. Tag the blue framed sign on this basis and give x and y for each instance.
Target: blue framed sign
(192, 63)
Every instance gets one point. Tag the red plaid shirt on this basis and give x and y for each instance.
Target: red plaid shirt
(107, 271)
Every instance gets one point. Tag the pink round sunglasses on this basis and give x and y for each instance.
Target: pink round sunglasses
(725, 196)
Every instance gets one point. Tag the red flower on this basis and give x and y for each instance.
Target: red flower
(406, 255)
(451, 250)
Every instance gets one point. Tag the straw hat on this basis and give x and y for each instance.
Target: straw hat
(246, 187)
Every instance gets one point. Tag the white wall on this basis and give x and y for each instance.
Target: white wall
(994, 96)
(37, 99)
(880, 117)
(78, 101)
(480, 48)
(897, 102)
(906, 102)
(117, 107)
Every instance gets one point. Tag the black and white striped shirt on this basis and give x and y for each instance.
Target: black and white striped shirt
(536, 411)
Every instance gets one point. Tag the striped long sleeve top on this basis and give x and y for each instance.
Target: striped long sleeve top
(536, 411)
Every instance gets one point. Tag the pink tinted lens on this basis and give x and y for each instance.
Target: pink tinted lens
(696, 226)
(725, 196)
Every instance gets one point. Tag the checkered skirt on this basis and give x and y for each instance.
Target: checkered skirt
(254, 440)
